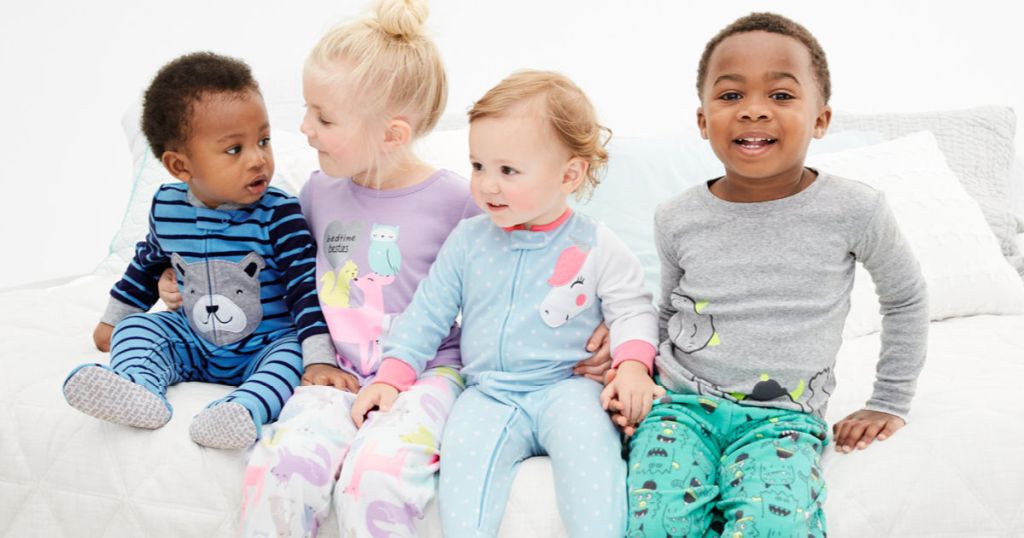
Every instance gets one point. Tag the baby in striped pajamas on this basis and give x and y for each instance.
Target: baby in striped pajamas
(244, 260)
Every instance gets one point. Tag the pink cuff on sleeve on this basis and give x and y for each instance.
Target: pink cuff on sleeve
(634, 350)
(395, 373)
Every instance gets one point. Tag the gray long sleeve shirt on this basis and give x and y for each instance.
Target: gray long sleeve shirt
(755, 295)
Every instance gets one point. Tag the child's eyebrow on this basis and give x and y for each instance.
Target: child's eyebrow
(264, 127)
(779, 75)
(732, 77)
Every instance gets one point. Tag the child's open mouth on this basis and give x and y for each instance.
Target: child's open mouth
(496, 207)
(257, 186)
(754, 143)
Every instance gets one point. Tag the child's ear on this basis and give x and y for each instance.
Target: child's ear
(702, 123)
(177, 164)
(397, 134)
(573, 174)
(822, 121)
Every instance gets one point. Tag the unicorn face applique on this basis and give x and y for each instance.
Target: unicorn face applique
(573, 286)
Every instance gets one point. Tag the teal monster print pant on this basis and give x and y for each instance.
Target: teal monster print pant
(700, 465)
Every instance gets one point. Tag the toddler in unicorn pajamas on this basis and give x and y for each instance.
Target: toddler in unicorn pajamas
(244, 260)
(531, 277)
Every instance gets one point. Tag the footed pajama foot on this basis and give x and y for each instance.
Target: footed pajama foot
(226, 425)
(105, 395)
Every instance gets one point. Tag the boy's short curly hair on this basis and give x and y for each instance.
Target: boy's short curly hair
(169, 99)
(776, 24)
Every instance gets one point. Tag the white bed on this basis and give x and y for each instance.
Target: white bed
(954, 470)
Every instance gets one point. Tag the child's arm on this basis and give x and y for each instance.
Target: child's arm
(904, 307)
(295, 253)
(136, 292)
(671, 273)
(633, 324)
(417, 332)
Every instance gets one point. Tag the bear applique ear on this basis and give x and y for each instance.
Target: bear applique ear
(252, 263)
(178, 263)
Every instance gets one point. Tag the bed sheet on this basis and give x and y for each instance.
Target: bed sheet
(955, 470)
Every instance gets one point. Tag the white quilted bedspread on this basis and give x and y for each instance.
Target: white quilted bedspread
(956, 470)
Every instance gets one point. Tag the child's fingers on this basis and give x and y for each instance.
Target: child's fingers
(637, 402)
(629, 430)
(596, 339)
(606, 396)
(871, 432)
(890, 428)
(352, 384)
(359, 409)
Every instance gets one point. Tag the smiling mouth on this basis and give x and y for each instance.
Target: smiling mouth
(755, 143)
(496, 207)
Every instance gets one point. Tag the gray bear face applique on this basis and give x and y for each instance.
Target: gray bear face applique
(221, 298)
(689, 329)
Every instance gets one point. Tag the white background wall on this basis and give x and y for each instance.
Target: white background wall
(70, 70)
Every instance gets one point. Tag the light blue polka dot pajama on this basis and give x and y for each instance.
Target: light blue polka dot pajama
(529, 299)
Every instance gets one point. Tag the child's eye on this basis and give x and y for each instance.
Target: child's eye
(477, 167)
(730, 96)
(265, 141)
(578, 281)
(322, 120)
(781, 96)
(234, 150)
(509, 171)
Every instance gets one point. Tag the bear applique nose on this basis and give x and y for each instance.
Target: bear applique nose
(212, 309)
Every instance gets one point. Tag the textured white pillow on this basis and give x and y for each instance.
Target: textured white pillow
(979, 148)
(959, 256)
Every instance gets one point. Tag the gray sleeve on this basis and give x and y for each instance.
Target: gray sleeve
(116, 311)
(318, 349)
(903, 301)
(670, 271)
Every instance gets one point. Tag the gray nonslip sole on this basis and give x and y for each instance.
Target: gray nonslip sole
(227, 425)
(107, 396)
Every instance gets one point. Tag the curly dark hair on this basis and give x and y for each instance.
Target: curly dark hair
(776, 24)
(169, 99)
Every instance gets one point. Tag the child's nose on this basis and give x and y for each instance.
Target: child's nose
(755, 109)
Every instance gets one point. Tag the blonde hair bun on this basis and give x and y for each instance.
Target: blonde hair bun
(402, 19)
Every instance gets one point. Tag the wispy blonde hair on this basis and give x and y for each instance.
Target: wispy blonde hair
(396, 69)
(570, 112)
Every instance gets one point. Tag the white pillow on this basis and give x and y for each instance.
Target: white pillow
(979, 147)
(960, 258)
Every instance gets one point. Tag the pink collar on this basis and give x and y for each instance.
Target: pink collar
(543, 227)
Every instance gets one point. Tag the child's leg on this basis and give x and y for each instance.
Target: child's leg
(235, 420)
(771, 478)
(389, 475)
(586, 454)
(292, 469)
(673, 457)
(146, 356)
(483, 443)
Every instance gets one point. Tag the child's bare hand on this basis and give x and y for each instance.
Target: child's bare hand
(600, 362)
(169, 292)
(379, 395)
(332, 376)
(101, 336)
(618, 418)
(630, 393)
(862, 427)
